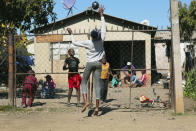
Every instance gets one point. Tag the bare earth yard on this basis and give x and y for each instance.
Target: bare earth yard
(54, 115)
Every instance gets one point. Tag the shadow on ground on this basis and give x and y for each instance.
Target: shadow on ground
(109, 100)
(102, 111)
(38, 104)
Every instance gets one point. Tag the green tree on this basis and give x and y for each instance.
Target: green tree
(190, 86)
(22, 15)
(187, 19)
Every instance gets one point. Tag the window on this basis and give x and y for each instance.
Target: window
(59, 51)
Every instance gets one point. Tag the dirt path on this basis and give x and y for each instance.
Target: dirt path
(54, 115)
(114, 121)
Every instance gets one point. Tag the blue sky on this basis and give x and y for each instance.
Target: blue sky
(156, 11)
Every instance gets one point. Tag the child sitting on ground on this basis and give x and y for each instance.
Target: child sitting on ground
(134, 81)
(44, 89)
(143, 77)
(116, 81)
(51, 86)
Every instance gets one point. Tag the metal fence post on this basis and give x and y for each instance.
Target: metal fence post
(52, 58)
(130, 92)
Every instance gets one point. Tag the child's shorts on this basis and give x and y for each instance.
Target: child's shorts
(74, 80)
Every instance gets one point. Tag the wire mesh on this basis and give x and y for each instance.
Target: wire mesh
(145, 50)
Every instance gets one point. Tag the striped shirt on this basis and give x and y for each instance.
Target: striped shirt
(30, 81)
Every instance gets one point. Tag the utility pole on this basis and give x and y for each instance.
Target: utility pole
(177, 70)
(11, 71)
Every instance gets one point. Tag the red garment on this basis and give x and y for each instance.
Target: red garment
(143, 78)
(144, 99)
(50, 84)
(29, 87)
(74, 80)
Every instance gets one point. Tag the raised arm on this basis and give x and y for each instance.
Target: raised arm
(77, 43)
(103, 27)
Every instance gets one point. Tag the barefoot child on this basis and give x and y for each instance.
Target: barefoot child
(74, 78)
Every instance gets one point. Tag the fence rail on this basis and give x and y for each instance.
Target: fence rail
(143, 48)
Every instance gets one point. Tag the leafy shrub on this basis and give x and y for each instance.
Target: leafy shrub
(190, 86)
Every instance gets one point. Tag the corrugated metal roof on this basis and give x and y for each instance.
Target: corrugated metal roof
(92, 12)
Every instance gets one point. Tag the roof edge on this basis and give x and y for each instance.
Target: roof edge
(86, 11)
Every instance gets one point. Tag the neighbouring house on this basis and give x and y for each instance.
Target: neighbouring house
(51, 43)
(162, 38)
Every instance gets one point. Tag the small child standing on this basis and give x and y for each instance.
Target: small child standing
(29, 87)
(105, 71)
(74, 78)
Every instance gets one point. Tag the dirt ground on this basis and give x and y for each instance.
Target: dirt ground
(114, 115)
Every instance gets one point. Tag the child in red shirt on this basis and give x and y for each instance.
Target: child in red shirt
(29, 87)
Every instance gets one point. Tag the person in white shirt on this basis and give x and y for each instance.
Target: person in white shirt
(95, 52)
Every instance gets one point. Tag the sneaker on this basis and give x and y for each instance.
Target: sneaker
(68, 104)
(79, 105)
(24, 106)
